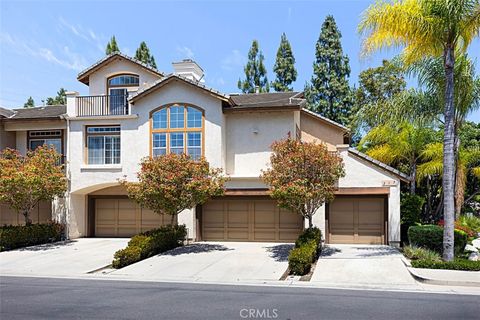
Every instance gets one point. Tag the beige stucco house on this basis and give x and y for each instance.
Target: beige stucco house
(133, 111)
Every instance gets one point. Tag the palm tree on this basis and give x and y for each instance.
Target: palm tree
(468, 163)
(435, 28)
(400, 146)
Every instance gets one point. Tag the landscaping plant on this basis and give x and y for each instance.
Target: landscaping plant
(307, 248)
(13, 237)
(431, 237)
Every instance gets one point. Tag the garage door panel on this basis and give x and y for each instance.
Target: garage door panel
(264, 219)
(237, 219)
(290, 220)
(237, 235)
(264, 235)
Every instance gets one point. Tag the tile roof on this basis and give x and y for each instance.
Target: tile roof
(47, 112)
(384, 166)
(6, 113)
(83, 74)
(266, 100)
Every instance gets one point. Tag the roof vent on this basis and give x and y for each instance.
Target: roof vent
(188, 69)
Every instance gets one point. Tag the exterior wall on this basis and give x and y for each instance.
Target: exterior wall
(249, 136)
(98, 79)
(315, 129)
(40, 214)
(7, 138)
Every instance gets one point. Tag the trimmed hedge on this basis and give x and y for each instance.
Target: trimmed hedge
(457, 264)
(150, 243)
(307, 248)
(431, 237)
(13, 237)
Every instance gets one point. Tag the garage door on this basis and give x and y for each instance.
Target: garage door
(124, 218)
(249, 220)
(357, 220)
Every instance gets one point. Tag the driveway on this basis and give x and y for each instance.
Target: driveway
(69, 258)
(227, 262)
(362, 266)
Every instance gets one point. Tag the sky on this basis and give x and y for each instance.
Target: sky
(44, 45)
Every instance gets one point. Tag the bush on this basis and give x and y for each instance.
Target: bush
(471, 222)
(416, 253)
(12, 237)
(457, 264)
(410, 212)
(307, 248)
(431, 237)
(470, 233)
(150, 243)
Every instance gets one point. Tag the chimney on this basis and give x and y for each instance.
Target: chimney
(257, 89)
(189, 69)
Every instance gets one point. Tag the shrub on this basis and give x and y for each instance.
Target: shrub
(457, 264)
(12, 237)
(307, 248)
(470, 233)
(471, 222)
(431, 237)
(150, 243)
(416, 253)
(309, 234)
(410, 212)
(126, 256)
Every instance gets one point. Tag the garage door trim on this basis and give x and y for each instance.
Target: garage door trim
(385, 215)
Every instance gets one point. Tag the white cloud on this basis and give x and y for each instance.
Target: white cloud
(234, 60)
(87, 35)
(186, 52)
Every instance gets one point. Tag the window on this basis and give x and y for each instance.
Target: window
(177, 129)
(51, 138)
(124, 80)
(103, 145)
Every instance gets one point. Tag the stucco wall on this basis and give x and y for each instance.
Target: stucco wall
(7, 138)
(315, 129)
(98, 79)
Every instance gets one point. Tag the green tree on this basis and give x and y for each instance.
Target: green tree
(400, 146)
(303, 176)
(328, 92)
(172, 183)
(432, 28)
(27, 180)
(60, 99)
(143, 54)
(30, 103)
(112, 46)
(255, 72)
(284, 67)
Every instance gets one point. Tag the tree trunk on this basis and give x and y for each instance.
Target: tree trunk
(449, 157)
(413, 178)
(26, 215)
(172, 219)
(310, 223)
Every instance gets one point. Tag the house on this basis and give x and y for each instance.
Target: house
(133, 111)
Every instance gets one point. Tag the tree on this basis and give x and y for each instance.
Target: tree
(303, 176)
(30, 103)
(60, 99)
(429, 28)
(172, 183)
(255, 72)
(143, 54)
(401, 146)
(27, 180)
(284, 67)
(329, 93)
(112, 46)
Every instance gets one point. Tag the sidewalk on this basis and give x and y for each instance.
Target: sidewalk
(446, 277)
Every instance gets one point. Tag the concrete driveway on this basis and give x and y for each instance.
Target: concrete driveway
(227, 262)
(69, 258)
(362, 266)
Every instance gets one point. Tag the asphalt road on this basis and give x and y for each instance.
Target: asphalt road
(42, 298)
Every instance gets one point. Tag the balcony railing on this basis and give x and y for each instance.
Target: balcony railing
(105, 105)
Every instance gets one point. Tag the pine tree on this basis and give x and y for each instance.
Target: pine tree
(60, 99)
(112, 46)
(329, 93)
(284, 66)
(30, 103)
(143, 54)
(255, 72)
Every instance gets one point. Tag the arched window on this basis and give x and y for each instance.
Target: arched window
(123, 80)
(178, 129)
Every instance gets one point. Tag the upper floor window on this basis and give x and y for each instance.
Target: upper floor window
(52, 138)
(123, 80)
(178, 129)
(103, 144)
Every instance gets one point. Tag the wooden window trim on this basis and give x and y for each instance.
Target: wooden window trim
(87, 134)
(61, 137)
(184, 130)
(122, 85)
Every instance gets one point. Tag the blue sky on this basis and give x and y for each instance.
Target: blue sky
(43, 45)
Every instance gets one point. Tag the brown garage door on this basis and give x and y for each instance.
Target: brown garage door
(249, 220)
(124, 218)
(357, 220)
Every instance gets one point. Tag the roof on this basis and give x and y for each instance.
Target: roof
(175, 77)
(380, 164)
(83, 75)
(47, 112)
(253, 101)
(5, 113)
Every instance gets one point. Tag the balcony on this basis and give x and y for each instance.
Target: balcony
(104, 105)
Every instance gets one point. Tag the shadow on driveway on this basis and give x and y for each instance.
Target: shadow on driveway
(280, 252)
(48, 246)
(328, 251)
(196, 248)
(376, 251)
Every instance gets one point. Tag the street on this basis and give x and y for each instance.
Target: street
(48, 298)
